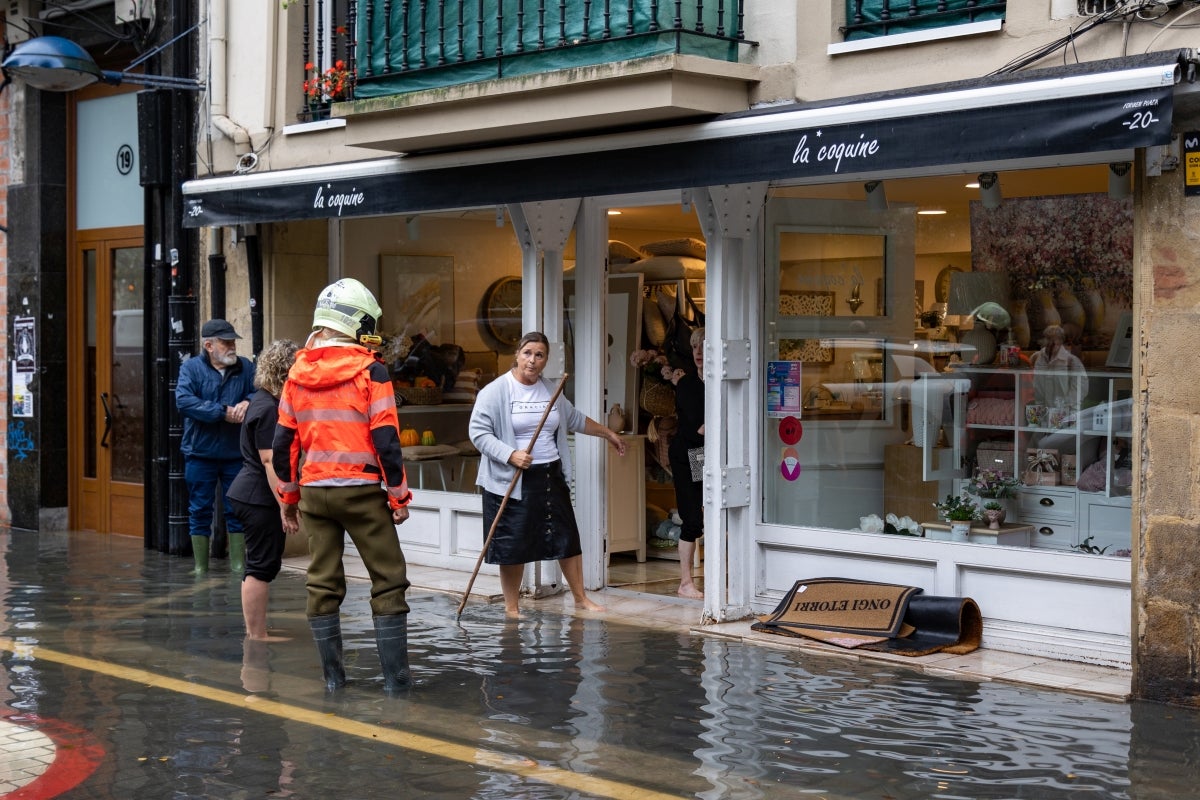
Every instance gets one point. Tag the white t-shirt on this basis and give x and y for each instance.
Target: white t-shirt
(528, 405)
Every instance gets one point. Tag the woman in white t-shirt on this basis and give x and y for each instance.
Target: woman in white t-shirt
(538, 523)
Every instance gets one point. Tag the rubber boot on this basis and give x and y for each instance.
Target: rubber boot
(237, 554)
(391, 638)
(327, 632)
(200, 553)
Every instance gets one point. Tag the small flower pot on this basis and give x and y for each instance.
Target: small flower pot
(994, 517)
(959, 529)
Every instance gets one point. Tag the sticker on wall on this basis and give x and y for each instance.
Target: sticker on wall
(790, 430)
(790, 467)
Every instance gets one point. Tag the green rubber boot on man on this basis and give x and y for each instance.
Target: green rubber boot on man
(237, 554)
(200, 553)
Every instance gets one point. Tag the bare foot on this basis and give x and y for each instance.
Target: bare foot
(513, 613)
(587, 604)
(690, 592)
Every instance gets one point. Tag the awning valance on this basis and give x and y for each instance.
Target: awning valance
(1061, 112)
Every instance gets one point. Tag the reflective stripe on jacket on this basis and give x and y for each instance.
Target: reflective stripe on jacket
(337, 411)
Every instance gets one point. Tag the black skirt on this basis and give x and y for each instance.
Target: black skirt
(540, 526)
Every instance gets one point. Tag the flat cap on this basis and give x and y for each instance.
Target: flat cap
(218, 329)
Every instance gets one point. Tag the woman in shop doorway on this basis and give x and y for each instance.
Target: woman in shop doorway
(689, 493)
(538, 523)
(253, 492)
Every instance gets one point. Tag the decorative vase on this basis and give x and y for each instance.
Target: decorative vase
(1019, 327)
(1042, 314)
(616, 418)
(1070, 310)
(959, 528)
(1093, 308)
(994, 517)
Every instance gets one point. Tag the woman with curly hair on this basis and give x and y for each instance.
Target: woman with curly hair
(253, 493)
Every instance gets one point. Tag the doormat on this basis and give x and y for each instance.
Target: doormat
(881, 617)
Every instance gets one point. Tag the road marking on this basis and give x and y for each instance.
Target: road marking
(504, 762)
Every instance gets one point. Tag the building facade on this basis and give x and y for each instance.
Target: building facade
(797, 178)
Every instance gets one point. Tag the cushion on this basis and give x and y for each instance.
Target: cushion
(693, 248)
(466, 386)
(664, 268)
(423, 452)
(621, 253)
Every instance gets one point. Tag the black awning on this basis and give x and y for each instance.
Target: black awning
(1094, 112)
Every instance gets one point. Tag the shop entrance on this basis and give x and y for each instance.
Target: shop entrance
(106, 426)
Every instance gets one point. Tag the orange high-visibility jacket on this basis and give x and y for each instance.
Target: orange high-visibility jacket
(338, 411)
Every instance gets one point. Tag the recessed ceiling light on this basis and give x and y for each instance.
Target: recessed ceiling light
(973, 185)
(932, 211)
(612, 212)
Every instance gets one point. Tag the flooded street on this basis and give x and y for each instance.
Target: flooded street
(130, 679)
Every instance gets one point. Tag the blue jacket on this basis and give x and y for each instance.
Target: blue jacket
(201, 396)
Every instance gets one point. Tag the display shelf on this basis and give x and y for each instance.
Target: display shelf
(1088, 418)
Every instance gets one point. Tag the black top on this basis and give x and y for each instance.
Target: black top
(689, 406)
(258, 431)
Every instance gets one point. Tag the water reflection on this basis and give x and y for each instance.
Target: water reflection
(674, 713)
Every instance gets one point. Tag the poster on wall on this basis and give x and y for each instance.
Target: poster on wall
(25, 344)
(22, 397)
(783, 389)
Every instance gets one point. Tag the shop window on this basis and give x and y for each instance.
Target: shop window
(900, 351)
(871, 18)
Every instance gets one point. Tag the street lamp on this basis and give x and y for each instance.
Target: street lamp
(55, 64)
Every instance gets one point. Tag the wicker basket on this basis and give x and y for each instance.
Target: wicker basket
(657, 398)
(419, 395)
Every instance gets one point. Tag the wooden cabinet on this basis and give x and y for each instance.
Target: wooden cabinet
(626, 478)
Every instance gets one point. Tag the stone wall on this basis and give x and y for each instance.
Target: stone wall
(1166, 518)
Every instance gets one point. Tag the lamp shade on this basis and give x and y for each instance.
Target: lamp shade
(53, 64)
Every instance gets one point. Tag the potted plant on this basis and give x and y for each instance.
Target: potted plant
(324, 88)
(960, 511)
(992, 485)
(994, 513)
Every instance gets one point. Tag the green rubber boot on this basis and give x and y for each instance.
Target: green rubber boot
(237, 553)
(200, 552)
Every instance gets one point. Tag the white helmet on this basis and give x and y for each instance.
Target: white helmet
(347, 307)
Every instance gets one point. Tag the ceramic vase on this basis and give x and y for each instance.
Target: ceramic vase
(616, 418)
(1019, 327)
(1093, 308)
(1042, 314)
(994, 517)
(1070, 311)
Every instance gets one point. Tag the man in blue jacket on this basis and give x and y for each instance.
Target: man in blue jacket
(212, 395)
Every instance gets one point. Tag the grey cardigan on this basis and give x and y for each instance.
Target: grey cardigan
(491, 432)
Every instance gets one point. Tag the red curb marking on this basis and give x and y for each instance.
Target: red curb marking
(77, 754)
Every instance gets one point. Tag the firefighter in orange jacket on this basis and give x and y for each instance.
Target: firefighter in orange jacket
(337, 412)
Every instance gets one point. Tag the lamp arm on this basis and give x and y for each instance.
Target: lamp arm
(157, 81)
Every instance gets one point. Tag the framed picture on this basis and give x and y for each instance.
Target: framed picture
(805, 303)
(1120, 352)
(417, 296)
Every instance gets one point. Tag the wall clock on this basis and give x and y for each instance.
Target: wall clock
(502, 310)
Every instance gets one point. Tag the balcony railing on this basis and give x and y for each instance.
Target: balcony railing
(868, 18)
(398, 46)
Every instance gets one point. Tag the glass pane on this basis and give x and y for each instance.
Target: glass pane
(127, 437)
(90, 394)
(831, 274)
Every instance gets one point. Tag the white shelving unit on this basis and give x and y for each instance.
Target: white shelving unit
(1095, 423)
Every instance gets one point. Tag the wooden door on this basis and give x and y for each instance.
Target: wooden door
(107, 362)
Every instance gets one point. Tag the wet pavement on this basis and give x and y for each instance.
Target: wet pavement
(122, 676)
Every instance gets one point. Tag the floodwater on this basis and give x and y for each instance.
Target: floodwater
(148, 669)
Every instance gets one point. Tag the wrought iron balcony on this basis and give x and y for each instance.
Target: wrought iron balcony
(394, 47)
